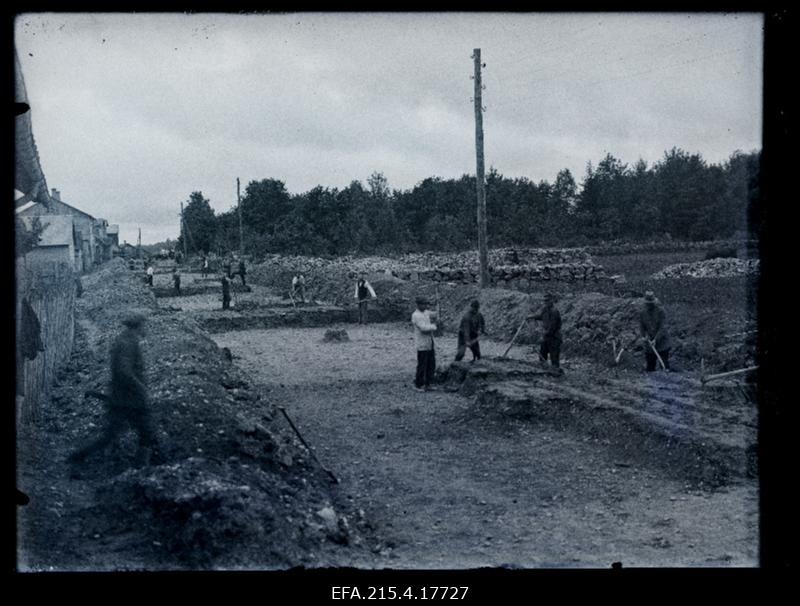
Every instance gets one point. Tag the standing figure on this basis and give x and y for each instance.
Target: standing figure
(364, 292)
(299, 287)
(422, 320)
(150, 272)
(551, 339)
(205, 266)
(227, 267)
(652, 323)
(242, 271)
(127, 402)
(176, 281)
(472, 325)
(226, 292)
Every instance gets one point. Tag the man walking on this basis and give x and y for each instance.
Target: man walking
(128, 400)
(364, 292)
(150, 272)
(205, 266)
(472, 325)
(652, 324)
(424, 328)
(551, 339)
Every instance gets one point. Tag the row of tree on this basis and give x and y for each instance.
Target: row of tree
(681, 197)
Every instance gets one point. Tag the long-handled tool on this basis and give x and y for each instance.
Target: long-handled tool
(308, 448)
(705, 379)
(516, 334)
(652, 345)
(617, 354)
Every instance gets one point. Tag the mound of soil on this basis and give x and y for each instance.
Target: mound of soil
(335, 336)
(234, 489)
(711, 268)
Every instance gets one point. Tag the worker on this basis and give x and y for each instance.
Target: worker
(652, 324)
(364, 292)
(472, 325)
(242, 271)
(226, 292)
(127, 401)
(299, 287)
(176, 281)
(227, 267)
(150, 273)
(551, 339)
(422, 320)
(205, 266)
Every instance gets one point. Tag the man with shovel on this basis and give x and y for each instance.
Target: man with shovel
(472, 325)
(652, 322)
(551, 339)
(364, 292)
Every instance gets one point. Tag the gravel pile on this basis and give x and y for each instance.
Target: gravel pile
(712, 268)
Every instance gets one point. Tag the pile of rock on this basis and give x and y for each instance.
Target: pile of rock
(712, 268)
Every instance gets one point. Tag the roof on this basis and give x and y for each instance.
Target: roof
(112, 229)
(57, 229)
(27, 205)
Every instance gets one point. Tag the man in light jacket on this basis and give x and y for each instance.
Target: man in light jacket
(364, 292)
(422, 320)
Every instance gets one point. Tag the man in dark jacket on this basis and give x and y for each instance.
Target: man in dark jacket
(127, 401)
(176, 281)
(472, 325)
(226, 292)
(242, 271)
(652, 324)
(551, 339)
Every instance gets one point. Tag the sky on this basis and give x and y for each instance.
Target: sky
(133, 112)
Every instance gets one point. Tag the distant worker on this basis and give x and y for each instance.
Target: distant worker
(422, 320)
(150, 273)
(205, 266)
(364, 292)
(226, 292)
(176, 281)
(299, 287)
(472, 325)
(227, 268)
(652, 323)
(242, 271)
(551, 339)
(127, 401)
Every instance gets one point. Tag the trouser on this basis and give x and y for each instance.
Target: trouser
(205, 271)
(362, 311)
(226, 302)
(652, 361)
(301, 294)
(241, 275)
(426, 366)
(551, 347)
(475, 348)
(149, 279)
(118, 420)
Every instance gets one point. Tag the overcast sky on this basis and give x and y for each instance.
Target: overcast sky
(131, 113)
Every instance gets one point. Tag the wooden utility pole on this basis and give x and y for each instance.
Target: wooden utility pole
(483, 251)
(239, 206)
(183, 233)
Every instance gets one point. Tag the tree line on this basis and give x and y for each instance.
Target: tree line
(680, 197)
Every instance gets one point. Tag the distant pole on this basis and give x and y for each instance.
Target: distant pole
(139, 244)
(183, 233)
(483, 252)
(239, 205)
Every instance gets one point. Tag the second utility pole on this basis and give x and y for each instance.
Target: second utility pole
(483, 252)
(239, 206)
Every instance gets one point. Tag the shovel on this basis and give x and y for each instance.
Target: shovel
(516, 334)
(652, 345)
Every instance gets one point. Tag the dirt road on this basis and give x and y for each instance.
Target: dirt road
(449, 488)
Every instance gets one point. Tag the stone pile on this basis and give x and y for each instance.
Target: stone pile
(712, 268)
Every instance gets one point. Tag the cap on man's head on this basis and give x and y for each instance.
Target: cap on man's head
(134, 320)
(650, 296)
(475, 304)
(549, 297)
(422, 301)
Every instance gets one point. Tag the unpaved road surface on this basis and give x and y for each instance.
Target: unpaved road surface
(448, 487)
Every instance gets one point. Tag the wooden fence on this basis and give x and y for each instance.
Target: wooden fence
(50, 289)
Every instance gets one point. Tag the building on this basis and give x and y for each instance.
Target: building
(59, 243)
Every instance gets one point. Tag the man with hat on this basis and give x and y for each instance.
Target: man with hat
(226, 291)
(176, 281)
(551, 339)
(127, 401)
(652, 323)
(363, 293)
(424, 328)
